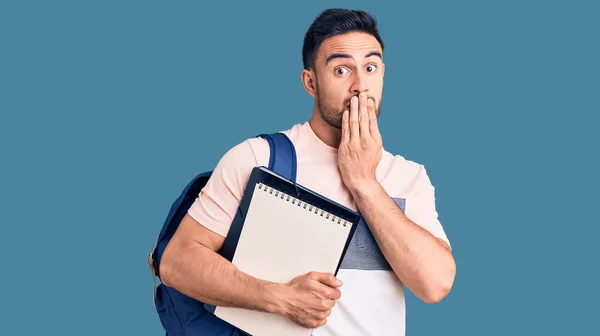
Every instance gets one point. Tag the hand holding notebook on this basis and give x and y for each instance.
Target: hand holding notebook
(287, 234)
(311, 297)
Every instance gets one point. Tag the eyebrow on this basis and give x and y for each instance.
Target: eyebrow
(338, 55)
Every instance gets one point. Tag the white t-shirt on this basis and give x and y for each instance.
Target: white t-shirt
(372, 301)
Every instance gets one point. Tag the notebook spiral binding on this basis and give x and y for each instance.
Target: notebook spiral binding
(302, 204)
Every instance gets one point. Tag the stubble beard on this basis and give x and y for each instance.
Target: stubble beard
(333, 116)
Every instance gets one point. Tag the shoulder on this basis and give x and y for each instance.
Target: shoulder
(252, 152)
(259, 147)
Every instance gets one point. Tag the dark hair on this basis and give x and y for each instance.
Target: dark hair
(335, 21)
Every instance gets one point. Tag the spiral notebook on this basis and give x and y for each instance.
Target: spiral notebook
(281, 231)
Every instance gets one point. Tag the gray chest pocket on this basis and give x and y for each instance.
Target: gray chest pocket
(363, 252)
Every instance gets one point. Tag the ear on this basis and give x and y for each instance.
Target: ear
(382, 69)
(309, 81)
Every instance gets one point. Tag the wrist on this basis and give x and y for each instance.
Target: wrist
(272, 298)
(365, 189)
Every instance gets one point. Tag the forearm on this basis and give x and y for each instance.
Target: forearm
(420, 260)
(200, 273)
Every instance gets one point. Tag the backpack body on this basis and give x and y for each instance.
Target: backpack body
(181, 315)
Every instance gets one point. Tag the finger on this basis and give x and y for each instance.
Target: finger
(354, 127)
(334, 294)
(320, 323)
(345, 127)
(363, 116)
(373, 125)
(327, 292)
(326, 305)
(321, 314)
(326, 279)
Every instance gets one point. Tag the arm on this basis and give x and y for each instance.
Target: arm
(423, 262)
(420, 260)
(190, 264)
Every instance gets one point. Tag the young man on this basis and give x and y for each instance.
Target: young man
(340, 155)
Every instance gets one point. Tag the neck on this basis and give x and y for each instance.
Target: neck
(328, 134)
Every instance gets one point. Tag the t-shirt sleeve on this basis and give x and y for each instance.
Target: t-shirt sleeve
(421, 208)
(218, 201)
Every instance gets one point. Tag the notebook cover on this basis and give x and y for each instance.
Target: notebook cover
(271, 179)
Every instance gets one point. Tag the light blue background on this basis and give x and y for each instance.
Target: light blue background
(109, 108)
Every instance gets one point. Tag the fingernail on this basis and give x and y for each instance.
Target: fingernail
(370, 102)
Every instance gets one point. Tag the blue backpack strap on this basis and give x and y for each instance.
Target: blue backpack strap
(283, 155)
(182, 315)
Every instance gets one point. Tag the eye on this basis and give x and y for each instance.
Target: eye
(371, 68)
(341, 71)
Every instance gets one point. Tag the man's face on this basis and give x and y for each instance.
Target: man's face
(347, 65)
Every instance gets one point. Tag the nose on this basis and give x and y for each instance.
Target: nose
(359, 85)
